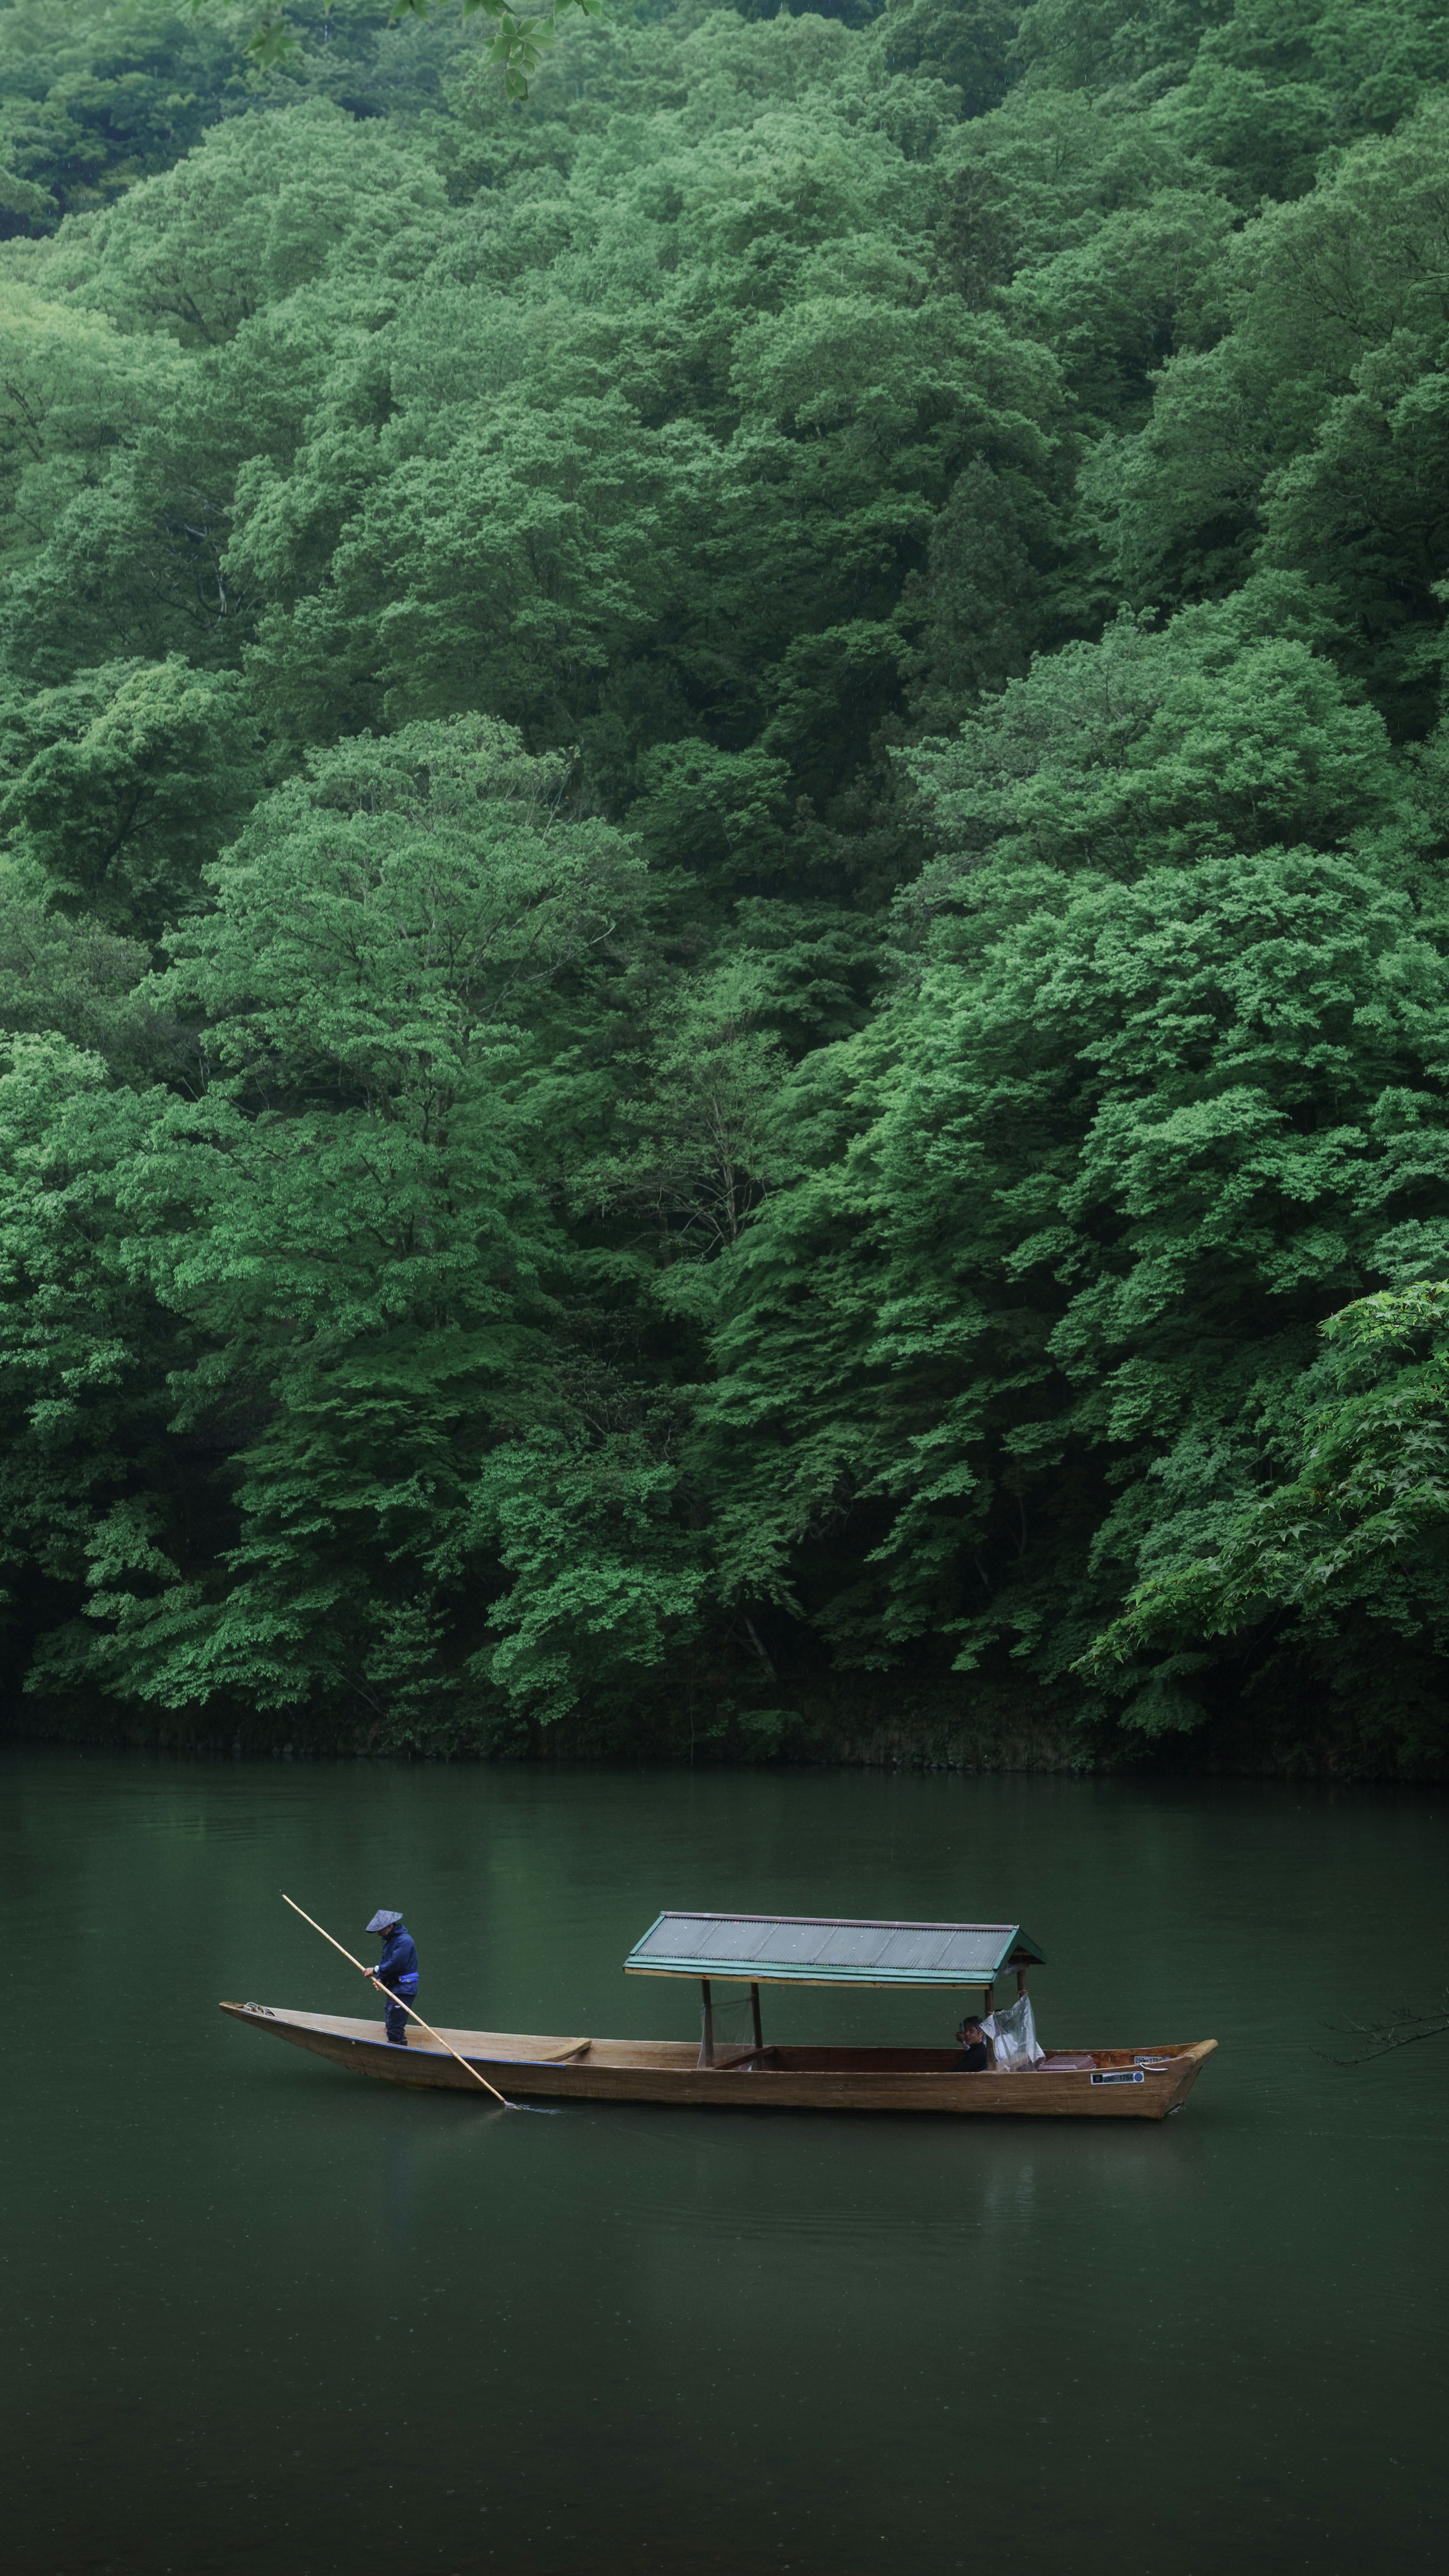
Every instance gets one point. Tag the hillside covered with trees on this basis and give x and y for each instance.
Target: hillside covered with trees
(724, 879)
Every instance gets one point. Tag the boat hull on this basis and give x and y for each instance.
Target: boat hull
(1094, 2084)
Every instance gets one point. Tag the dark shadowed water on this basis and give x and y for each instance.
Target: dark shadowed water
(264, 2316)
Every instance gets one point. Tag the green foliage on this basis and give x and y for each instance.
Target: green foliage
(718, 813)
(267, 205)
(92, 100)
(521, 44)
(70, 978)
(605, 1576)
(722, 833)
(344, 1219)
(1202, 739)
(1350, 1544)
(124, 785)
(967, 48)
(83, 1349)
(1079, 1197)
(1308, 435)
(94, 97)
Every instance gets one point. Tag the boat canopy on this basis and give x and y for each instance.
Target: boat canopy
(822, 1950)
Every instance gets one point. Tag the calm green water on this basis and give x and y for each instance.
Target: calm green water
(262, 2315)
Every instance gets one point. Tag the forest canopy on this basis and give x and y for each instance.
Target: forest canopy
(724, 952)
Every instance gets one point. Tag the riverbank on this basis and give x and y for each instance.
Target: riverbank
(875, 1725)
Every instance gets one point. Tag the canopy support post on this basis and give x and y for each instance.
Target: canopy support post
(1020, 1982)
(755, 2016)
(706, 2046)
(990, 1992)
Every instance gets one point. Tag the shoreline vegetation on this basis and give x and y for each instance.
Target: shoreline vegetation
(900, 1732)
(724, 882)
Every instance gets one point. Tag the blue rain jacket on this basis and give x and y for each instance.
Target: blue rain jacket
(398, 1966)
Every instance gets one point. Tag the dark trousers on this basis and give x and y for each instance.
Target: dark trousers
(396, 2022)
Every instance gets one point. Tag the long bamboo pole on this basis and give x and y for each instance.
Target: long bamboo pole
(407, 2008)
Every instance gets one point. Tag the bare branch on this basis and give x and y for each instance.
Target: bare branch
(1397, 2029)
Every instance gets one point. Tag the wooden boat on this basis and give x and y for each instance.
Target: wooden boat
(757, 1950)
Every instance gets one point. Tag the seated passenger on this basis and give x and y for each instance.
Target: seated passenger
(976, 2049)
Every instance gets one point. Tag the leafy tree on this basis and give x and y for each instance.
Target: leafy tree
(521, 44)
(93, 98)
(967, 48)
(1224, 732)
(344, 1221)
(71, 388)
(1095, 45)
(698, 1150)
(1308, 434)
(89, 103)
(264, 206)
(84, 1347)
(70, 978)
(1272, 88)
(1350, 1544)
(124, 785)
(1073, 1204)
(719, 813)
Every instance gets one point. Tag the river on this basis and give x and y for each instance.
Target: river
(263, 2316)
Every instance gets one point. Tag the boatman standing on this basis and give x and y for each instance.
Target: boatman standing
(397, 1970)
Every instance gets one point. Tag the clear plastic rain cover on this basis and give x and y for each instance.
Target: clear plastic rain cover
(1012, 2031)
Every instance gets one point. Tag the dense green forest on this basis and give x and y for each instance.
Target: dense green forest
(724, 879)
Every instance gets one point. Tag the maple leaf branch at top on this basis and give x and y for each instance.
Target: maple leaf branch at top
(517, 49)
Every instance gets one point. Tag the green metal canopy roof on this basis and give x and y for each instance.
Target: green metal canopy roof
(822, 1950)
